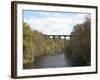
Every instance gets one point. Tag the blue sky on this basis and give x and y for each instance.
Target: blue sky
(54, 23)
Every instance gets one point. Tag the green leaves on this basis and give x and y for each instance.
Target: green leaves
(27, 43)
(35, 44)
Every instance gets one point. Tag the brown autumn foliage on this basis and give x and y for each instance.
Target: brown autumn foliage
(80, 42)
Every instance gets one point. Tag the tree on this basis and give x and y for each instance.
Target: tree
(35, 44)
(81, 41)
(27, 43)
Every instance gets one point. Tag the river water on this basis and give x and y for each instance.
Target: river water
(52, 61)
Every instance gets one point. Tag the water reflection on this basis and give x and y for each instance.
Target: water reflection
(53, 61)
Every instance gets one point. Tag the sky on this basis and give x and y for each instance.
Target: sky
(53, 23)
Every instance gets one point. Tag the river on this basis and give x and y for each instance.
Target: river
(52, 61)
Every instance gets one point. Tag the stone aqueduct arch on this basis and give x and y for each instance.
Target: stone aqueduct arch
(59, 37)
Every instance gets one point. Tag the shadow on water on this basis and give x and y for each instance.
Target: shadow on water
(53, 61)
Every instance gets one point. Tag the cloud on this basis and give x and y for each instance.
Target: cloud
(55, 23)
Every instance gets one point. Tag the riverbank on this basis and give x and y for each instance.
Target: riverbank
(55, 60)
